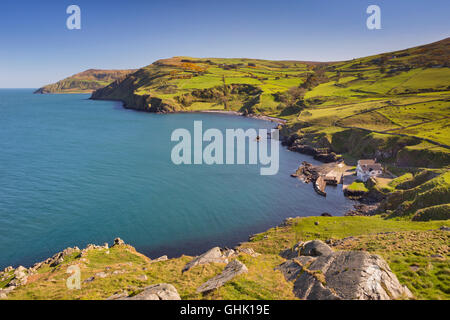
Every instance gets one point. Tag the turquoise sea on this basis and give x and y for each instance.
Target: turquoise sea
(75, 171)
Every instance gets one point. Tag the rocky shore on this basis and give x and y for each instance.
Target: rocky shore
(317, 271)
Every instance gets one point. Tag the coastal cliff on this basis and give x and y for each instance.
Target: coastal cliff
(84, 82)
(367, 259)
(393, 107)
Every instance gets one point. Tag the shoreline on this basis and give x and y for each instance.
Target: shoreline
(232, 242)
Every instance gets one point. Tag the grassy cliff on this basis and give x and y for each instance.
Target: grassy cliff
(394, 106)
(417, 252)
(84, 82)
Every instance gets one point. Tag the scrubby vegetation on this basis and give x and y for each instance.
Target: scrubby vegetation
(417, 252)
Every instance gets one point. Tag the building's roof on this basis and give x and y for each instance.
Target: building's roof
(369, 165)
(366, 162)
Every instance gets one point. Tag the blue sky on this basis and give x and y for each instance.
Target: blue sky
(36, 48)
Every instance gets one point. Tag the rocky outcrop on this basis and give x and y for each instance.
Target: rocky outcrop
(306, 172)
(214, 255)
(315, 248)
(320, 273)
(160, 291)
(233, 269)
(118, 242)
(19, 276)
(323, 154)
(361, 209)
(250, 252)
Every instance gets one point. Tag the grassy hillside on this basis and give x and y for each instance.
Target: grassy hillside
(393, 106)
(85, 82)
(417, 253)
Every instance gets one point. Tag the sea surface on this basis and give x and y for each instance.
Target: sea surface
(75, 171)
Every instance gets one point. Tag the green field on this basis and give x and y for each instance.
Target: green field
(394, 107)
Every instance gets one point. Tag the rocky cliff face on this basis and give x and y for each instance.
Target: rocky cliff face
(319, 273)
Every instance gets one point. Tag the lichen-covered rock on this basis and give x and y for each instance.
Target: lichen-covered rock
(292, 268)
(162, 291)
(343, 275)
(250, 252)
(56, 259)
(232, 269)
(315, 248)
(293, 252)
(162, 258)
(118, 241)
(210, 256)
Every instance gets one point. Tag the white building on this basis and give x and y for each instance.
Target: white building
(367, 169)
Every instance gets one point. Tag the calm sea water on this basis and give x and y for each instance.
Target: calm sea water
(75, 171)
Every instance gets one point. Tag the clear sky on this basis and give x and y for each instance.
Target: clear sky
(36, 48)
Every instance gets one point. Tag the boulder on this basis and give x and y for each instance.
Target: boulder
(118, 241)
(210, 256)
(160, 291)
(8, 269)
(250, 252)
(341, 275)
(56, 259)
(142, 277)
(293, 267)
(315, 248)
(292, 252)
(101, 275)
(232, 269)
(162, 258)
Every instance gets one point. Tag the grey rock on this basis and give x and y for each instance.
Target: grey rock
(292, 252)
(101, 275)
(56, 259)
(444, 228)
(118, 271)
(293, 267)
(118, 241)
(232, 269)
(143, 277)
(315, 248)
(160, 291)
(229, 253)
(250, 252)
(343, 275)
(213, 255)
(118, 295)
(8, 269)
(90, 279)
(162, 258)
